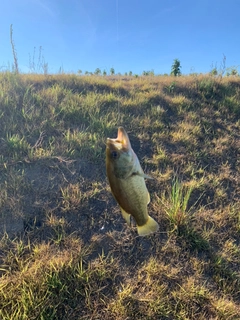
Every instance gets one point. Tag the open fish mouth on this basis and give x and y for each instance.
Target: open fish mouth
(121, 142)
(114, 144)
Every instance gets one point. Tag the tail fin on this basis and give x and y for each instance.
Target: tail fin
(149, 227)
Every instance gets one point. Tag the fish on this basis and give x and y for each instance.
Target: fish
(127, 183)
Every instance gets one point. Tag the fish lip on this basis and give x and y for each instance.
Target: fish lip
(122, 132)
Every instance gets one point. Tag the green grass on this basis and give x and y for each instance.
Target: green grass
(65, 251)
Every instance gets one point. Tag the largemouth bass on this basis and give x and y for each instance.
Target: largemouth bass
(127, 182)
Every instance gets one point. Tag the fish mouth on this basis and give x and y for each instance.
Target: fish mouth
(114, 144)
(121, 142)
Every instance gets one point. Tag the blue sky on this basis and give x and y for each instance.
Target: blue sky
(128, 35)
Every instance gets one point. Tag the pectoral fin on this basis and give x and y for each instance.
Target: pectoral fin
(126, 216)
(143, 175)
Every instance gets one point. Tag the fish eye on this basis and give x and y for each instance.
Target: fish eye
(114, 154)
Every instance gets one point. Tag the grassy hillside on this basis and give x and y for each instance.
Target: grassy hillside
(65, 250)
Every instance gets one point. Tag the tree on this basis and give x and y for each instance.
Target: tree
(214, 72)
(97, 71)
(148, 73)
(176, 66)
(112, 71)
(104, 72)
(232, 71)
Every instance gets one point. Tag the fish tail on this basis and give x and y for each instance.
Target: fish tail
(149, 227)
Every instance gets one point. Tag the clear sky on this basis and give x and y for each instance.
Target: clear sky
(128, 35)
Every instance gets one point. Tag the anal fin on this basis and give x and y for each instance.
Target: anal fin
(126, 216)
(148, 200)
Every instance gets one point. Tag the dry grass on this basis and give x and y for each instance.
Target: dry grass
(65, 251)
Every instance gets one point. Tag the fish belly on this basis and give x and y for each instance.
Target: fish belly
(132, 196)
